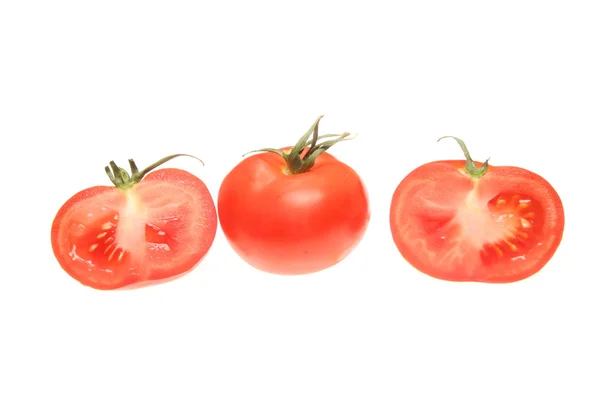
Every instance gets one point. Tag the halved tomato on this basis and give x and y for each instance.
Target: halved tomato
(471, 221)
(149, 227)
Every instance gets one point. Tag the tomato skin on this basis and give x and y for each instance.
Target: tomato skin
(293, 224)
(433, 200)
(172, 199)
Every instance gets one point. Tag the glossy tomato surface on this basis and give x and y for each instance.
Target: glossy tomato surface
(109, 238)
(502, 227)
(293, 223)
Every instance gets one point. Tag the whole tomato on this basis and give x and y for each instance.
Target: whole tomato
(294, 210)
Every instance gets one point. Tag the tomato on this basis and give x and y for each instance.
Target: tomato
(149, 228)
(476, 222)
(294, 210)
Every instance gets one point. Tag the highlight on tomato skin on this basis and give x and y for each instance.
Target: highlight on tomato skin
(294, 210)
(468, 221)
(151, 227)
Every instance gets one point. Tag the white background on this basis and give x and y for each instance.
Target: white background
(83, 83)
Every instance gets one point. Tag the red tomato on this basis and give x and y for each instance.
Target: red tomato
(138, 232)
(476, 222)
(294, 210)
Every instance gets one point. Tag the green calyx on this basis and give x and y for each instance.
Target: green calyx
(473, 170)
(124, 180)
(296, 161)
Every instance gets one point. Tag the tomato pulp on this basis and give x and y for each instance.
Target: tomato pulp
(471, 221)
(294, 210)
(141, 233)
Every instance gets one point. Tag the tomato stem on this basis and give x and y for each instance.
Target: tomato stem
(123, 180)
(296, 161)
(472, 169)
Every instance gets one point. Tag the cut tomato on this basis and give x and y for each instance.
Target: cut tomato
(476, 222)
(138, 232)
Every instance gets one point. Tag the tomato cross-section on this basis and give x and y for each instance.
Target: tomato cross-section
(476, 222)
(157, 229)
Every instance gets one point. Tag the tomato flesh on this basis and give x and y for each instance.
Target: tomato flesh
(502, 227)
(292, 224)
(161, 228)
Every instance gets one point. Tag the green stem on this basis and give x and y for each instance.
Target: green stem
(472, 169)
(123, 180)
(298, 163)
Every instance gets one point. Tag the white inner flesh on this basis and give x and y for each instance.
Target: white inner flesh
(478, 224)
(130, 234)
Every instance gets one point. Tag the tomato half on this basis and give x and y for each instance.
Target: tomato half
(294, 210)
(138, 234)
(471, 221)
